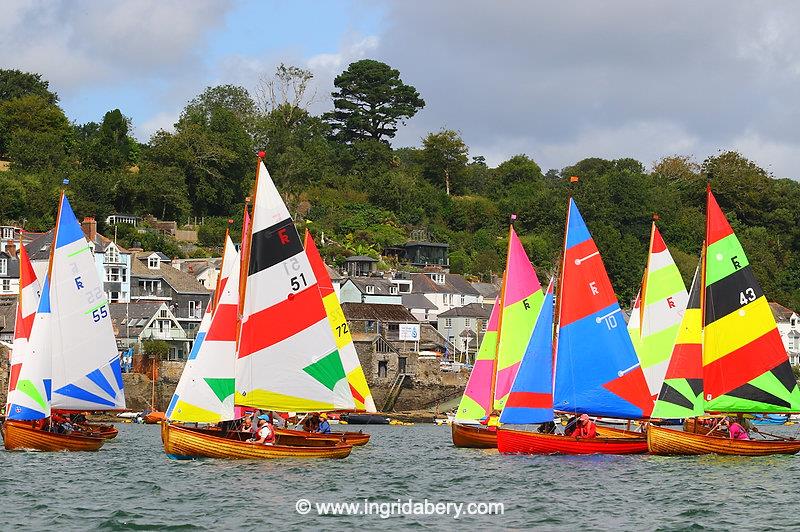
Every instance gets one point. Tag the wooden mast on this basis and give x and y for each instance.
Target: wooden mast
(501, 303)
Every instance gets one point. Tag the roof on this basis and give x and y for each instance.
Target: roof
(39, 247)
(8, 313)
(129, 319)
(158, 254)
(12, 266)
(487, 290)
(780, 312)
(429, 244)
(382, 286)
(378, 312)
(453, 284)
(181, 282)
(473, 310)
(360, 258)
(333, 274)
(417, 301)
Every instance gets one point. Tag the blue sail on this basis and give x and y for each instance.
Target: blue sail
(597, 370)
(531, 398)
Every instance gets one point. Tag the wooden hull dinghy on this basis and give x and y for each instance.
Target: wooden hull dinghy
(350, 438)
(474, 436)
(609, 441)
(185, 443)
(154, 417)
(107, 432)
(20, 435)
(674, 442)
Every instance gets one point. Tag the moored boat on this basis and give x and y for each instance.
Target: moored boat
(25, 436)
(666, 441)
(185, 443)
(474, 436)
(365, 419)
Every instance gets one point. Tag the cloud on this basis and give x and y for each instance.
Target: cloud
(565, 79)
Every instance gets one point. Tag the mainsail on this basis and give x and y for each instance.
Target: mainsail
(344, 341)
(745, 365)
(205, 391)
(476, 403)
(663, 301)
(597, 371)
(521, 300)
(287, 355)
(27, 302)
(681, 393)
(635, 322)
(531, 396)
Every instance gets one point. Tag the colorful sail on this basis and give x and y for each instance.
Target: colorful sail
(476, 403)
(287, 355)
(681, 393)
(521, 301)
(663, 302)
(205, 391)
(531, 397)
(27, 302)
(635, 322)
(745, 365)
(86, 365)
(344, 342)
(597, 371)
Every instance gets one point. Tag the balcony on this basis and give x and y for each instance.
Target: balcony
(138, 292)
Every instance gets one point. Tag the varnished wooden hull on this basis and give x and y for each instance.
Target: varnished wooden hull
(184, 443)
(107, 432)
(609, 441)
(675, 442)
(474, 436)
(20, 435)
(350, 438)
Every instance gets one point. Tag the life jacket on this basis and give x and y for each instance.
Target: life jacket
(270, 437)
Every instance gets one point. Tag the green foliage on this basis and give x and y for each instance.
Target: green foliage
(34, 133)
(16, 84)
(158, 349)
(444, 160)
(517, 169)
(370, 100)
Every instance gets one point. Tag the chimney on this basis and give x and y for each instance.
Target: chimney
(11, 249)
(89, 227)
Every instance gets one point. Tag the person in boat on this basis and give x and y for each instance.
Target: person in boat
(247, 423)
(585, 428)
(572, 422)
(746, 423)
(547, 428)
(324, 427)
(736, 431)
(265, 435)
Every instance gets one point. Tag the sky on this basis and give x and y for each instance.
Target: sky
(558, 81)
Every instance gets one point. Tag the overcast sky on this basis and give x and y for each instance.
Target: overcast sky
(558, 81)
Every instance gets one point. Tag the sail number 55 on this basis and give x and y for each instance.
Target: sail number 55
(99, 313)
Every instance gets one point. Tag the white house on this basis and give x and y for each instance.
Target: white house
(370, 290)
(464, 327)
(150, 320)
(789, 328)
(445, 290)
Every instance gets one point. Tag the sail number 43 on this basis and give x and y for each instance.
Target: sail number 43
(747, 296)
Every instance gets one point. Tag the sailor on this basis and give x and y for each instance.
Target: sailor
(265, 434)
(324, 426)
(735, 430)
(585, 428)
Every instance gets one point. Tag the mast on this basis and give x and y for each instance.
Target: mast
(557, 312)
(246, 242)
(221, 265)
(501, 303)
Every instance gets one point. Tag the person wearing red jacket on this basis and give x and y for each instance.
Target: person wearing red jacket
(585, 428)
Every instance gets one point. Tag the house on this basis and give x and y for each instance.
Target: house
(488, 292)
(8, 316)
(445, 290)
(419, 305)
(360, 265)
(336, 280)
(789, 328)
(134, 323)
(380, 360)
(9, 270)
(154, 279)
(370, 290)
(403, 282)
(129, 219)
(421, 253)
(205, 271)
(464, 327)
(113, 261)
(9, 234)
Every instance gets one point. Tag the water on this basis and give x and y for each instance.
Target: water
(130, 484)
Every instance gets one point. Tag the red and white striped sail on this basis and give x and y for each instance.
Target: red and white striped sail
(29, 293)
(287, 355)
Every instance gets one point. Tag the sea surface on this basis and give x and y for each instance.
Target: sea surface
(131, 485)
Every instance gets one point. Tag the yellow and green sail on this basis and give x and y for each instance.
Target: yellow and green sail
(476, 402)
(745, 365)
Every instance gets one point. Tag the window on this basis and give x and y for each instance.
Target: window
(482, 325)
(112, 254)
(370, 289)
(438, 278)
(8, 233)
(449, 299)
(162, 313)
(448, 323)
(467, 322)
(383, 369)
(393, 289)
(463, 299)
(153, 263)
(3, 266)
(113, 275)
(6, 285)
(369, 326)
(794, 321)
(113, 297)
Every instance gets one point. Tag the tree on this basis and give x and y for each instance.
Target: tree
(33, 132)
(518, 168)
(371, 99)
(158, 349)
(16, 84)
(233, 98)
(287, 90)
(444, 157)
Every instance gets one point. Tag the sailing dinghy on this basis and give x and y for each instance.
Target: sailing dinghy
(736, 361)
(595, 372)
(71, 362)
(507, 333)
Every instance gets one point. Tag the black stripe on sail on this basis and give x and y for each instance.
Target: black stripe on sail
(694, 291)
(751, 393)
(273, 245)
(783, 372)
(671, 395)
(731, 293)
(696, 385)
